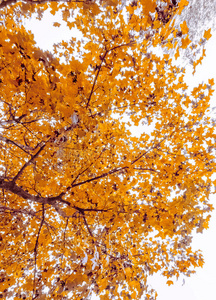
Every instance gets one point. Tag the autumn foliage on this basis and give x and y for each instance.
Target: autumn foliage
(86, 206)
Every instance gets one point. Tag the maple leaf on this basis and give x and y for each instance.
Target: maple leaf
(211, 81)
(184, 28)
(207, 34)
(185, 42)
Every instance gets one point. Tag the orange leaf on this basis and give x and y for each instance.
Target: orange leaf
(184, 28)
(185, 42)
(56, 24)
(169, 282)
(211, 81)
(207, 34)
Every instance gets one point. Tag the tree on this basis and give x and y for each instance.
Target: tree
(85, 205)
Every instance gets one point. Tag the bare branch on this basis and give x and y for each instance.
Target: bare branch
(35, 250)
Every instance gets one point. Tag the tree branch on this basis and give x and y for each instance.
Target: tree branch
(19, 191)
(145, 169)
(8, 141)
(35, 249)
(82, 210)
(96, 77)
(99, 177)
(79, 174)
(24, 211)
(28, 163)
(118, 169)
(99, 69)
(87, 226)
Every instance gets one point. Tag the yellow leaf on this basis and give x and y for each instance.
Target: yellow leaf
(81, 132)
(183, 3)
(95, 9)
(169, 282)
(56, 24)
(211, 81)
(177, 54)
(184, 27)
(207, 34)
(185, 42)
(128, 271)
(65, 14)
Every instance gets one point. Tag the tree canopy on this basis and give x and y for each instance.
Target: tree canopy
(86, 206)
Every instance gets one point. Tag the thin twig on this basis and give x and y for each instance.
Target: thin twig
(64, 236)
(87, 226)
(90, 209)
(26, 212)
(100, 66)
(79, 174)
(96, 77)
(35, 251)
(100, 176)
(28, 163)
(8, 141)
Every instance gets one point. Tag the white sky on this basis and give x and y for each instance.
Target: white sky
(201, 286)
